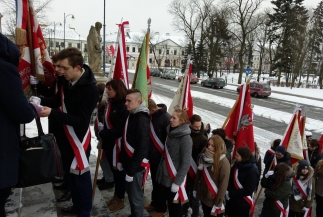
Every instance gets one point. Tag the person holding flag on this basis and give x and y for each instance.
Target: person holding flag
(303, 189)
(280, 156)
(212, 177)
(242, 183)
(175, 163)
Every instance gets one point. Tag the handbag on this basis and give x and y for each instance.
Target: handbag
(40, 159)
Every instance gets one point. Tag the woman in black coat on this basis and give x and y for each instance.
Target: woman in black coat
(14, 110)
(114, 120)
(247, 175)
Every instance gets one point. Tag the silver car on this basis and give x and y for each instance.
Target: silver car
(169, 74)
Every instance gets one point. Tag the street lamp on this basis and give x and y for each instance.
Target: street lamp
(65, 23)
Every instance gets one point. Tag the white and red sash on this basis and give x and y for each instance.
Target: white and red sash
(249, 199)
(283, 212)
(181, 194)
(270, 151)
(156, 141)
(274, 164)
(193, 169)
(80, 163)
(130, 150)
(213, 189)
(301, 188)
(117, 146)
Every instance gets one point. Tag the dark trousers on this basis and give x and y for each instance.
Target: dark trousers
(119, 183)
(319, 205)
(154, 159)
(193, 202)
(174, 209)
(207, 211)
(81, 188)
(4, 194)
(136, 195)
(160, 201)
(296, 214)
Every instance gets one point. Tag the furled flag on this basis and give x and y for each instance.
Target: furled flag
(302, 121)
(225, 60)
(142, 79)
(107, 51)
(121, 67)
(232, 61)
(34, 58)
(111, 50)
(183, 98)
(239, 125)
(292, 140)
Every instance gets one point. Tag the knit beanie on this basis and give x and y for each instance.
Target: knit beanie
(281, 149)
(303, 164)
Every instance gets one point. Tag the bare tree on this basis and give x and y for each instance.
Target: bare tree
(244, 17)
(9, 14)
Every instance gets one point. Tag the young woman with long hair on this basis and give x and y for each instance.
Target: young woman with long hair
(242, 183)
(318, 176)
(213, 170)
(277, 189)
(178, 152)
(303, 189)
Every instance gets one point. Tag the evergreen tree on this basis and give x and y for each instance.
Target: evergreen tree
(202, 57)
(188, 51)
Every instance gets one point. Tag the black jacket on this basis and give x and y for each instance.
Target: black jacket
(160, 120)
(138, 138)
(248, 177)
(199, 142)
(80, 101)
(314, 157)
(49, 91)
(267, 155)
(14, 109)
(118, 116)
(285, 159)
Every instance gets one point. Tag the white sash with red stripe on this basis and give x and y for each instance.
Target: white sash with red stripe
(274, 162)
(193, 169)
(249, 199)
(302, 189)
(156, 141)
(181, 194)
(130, 150)
(117, 146)
(80, 163)
(213, 189)
(280, 206)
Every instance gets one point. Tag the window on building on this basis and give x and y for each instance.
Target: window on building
(57, 44)
(167, 52)
(175, 52)
(150, 50)
(183, 53)
(133, 49)
(127, 49)
(85, 48)
(159, 51)
(69, 44)
(78, 46)
(51, 44)
(62, 44)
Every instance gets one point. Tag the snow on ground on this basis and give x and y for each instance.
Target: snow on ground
(311, 124)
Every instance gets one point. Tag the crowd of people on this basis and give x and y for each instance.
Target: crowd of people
(189, 167)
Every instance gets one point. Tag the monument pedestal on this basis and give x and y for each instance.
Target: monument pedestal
(100, 78)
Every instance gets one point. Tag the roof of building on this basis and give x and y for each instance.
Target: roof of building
(70, 33)
(136, 37)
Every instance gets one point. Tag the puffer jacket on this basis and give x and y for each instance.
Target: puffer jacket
(297, 206)
(179, 145)
(204, 194)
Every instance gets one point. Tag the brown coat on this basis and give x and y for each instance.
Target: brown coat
(318, 182)
(203, 193)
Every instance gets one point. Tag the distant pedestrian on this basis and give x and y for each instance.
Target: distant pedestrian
(213, 170)
(179, 149)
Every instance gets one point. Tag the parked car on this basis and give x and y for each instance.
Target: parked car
(194, 79)
(169, 74)
(214, 83)
(154, 72)
(258, 89)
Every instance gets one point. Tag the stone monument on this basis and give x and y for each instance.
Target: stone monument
(94, 49)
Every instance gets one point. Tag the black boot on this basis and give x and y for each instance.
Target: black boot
(66, 196)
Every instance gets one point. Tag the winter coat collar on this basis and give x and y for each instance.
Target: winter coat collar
(180, 131)
(142, 108)
(9, 52)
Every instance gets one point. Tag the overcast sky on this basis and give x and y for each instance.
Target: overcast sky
(87, 12)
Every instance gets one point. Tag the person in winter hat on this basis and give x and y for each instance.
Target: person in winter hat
(281, 156)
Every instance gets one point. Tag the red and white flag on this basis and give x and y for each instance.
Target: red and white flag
(34, 59)
(183, 97)
(292, 140)
(321, 144)
(232, 61)
(239, 126)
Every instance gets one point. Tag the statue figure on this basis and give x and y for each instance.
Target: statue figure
(94, 48)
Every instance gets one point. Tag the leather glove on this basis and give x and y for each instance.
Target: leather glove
(129, 178)
(174, 188)
(227, 195)
(269, 173)
(33, 80)
(194, 194)
(120, 168)
(34, 99)
(100, 126)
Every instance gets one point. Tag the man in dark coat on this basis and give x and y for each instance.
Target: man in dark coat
(77, 99)
(14, 110)
(160, 120)
(313, 152)
(136, 141)
(282, 156)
